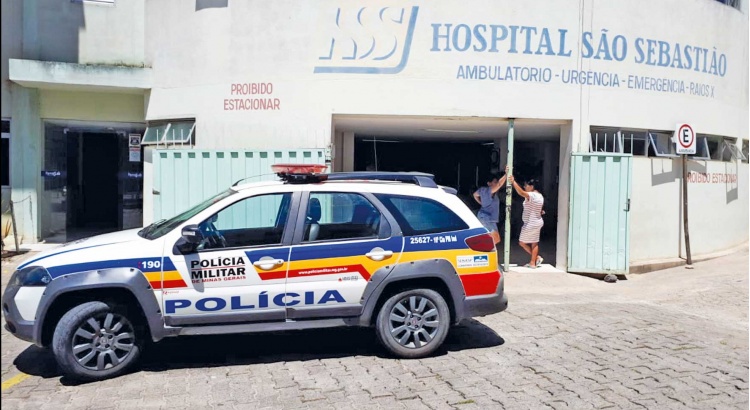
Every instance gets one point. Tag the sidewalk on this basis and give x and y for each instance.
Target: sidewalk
(715, 290)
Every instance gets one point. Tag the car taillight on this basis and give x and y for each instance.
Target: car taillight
(481, 243)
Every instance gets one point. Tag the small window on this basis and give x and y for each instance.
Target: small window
(713, 144)
(421, 216)
(335, 216)
(660, 145)
(170, 132)
(634, 142)
(179, 132)
(606, 141)
(154, 134)
(721, 149)
(731, 152)
(254, 221)
(5, 158)
(701, 149)
(717, 148)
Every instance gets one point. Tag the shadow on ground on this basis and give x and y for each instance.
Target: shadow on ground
(233, 350)
(9, 254)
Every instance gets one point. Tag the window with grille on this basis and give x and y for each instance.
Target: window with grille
(170, 132)
(651, 143)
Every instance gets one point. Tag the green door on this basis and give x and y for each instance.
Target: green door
(599, 234)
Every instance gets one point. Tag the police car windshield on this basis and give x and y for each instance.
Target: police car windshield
(161, 228)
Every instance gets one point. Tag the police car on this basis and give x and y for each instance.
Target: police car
(393, 251)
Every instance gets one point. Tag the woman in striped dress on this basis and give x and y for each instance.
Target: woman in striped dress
(532, 220)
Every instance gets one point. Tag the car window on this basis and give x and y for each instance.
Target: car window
(421, 216)
(334, 215)
(253, 221)
(161, 228)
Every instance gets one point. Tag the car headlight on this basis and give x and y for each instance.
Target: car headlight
(32, 276)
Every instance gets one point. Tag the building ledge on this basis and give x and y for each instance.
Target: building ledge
(79, 77)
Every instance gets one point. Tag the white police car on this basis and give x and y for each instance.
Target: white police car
(389, 250)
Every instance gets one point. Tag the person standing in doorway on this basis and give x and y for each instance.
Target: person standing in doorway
(487, 197)
(532, 220)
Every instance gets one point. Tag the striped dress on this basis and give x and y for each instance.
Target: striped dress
(532, 218)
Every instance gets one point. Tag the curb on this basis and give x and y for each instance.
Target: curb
(650, 266)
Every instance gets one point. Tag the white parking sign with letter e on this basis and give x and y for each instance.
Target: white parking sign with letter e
(684, 139)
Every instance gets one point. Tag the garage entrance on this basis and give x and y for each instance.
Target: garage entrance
(461, 164)
(460, 153)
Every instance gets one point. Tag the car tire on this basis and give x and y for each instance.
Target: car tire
(413, 323)
(96, 341)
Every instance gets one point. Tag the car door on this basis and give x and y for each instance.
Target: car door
(341, 240)
(238, 272)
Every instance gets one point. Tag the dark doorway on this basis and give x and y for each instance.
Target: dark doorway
(464, 165)
(460, 165)
(537, 160)
(92, 181)
(97, 206)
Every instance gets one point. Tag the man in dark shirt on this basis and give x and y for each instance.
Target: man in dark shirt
(487, 197)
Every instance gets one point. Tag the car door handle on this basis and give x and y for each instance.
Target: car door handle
(378, 254)
(268, 264)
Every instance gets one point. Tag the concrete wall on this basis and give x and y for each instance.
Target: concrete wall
(84, 32)
(717, 209)
(567, 135)
(283, 42)
(62, 31)
(10, 47)
(11, 28)
(91, 106)
(26, 154)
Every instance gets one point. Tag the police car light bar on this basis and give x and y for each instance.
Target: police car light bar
(310, 173)
(298, 168)
(300, 173)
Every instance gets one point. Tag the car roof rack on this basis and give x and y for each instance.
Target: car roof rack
(418, 178)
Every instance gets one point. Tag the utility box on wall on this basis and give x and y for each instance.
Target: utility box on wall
(185, 177)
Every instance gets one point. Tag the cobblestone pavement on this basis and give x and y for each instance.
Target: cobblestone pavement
(671, 339)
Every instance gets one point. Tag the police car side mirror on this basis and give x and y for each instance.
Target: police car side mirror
(192, 234)
(188, 243)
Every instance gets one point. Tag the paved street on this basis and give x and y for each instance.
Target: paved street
(671, 339)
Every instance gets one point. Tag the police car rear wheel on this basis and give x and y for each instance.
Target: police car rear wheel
(94, 341)
(413, 323)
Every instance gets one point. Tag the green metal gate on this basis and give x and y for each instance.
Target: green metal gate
(185, 177)
(599, 234)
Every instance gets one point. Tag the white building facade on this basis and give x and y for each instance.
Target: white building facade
(423, 86)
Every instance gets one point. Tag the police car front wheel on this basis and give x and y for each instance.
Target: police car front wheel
(95, 341)
(413, 323)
